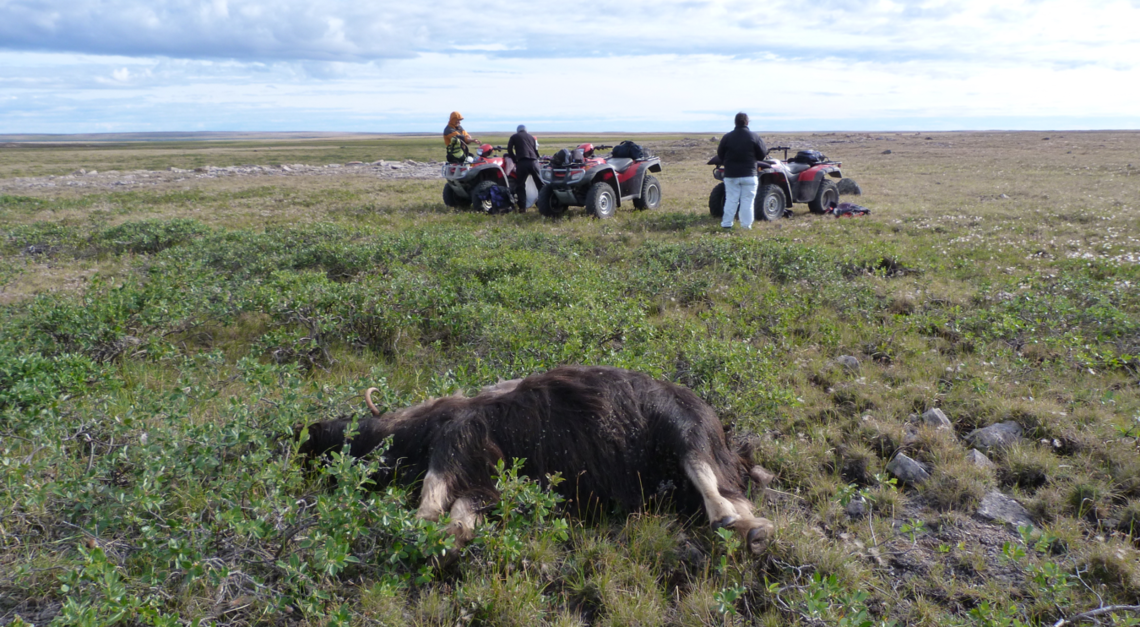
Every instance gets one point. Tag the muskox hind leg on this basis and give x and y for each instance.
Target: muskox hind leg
(735, 513)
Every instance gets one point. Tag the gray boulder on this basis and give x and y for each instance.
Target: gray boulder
(908, 470)
(849, 187)
(857, 508)
(999, 507)
(936, 418)
(999, 436)
(848, 362)
(979, 459)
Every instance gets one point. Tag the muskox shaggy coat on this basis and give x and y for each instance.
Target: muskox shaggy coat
(616, 436)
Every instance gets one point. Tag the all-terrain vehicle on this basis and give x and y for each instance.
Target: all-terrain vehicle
(485, 181)
(578, 178)
(803, 178)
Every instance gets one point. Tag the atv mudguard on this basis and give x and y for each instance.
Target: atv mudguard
(807, 183)
(472, 176)
(775, 177)
(630, 183)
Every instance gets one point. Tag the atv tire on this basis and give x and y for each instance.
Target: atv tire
(716, 201)
(548, 204)
(770, 203)
(826, 197)
(451, 199)
(650, 194)
(487, 206)
(601, 202)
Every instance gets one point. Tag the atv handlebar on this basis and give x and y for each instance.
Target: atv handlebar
(784, 148)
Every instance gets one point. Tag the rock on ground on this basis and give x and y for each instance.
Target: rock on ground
(979, 459)
(848, 362)
(999, 507)
(999, 436)
(907, 470)
(936, 418)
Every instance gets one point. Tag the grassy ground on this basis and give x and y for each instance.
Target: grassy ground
(158, 346)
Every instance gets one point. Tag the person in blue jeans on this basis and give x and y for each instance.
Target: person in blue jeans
(739, 151)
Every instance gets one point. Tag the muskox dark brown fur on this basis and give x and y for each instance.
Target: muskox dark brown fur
(617, 436)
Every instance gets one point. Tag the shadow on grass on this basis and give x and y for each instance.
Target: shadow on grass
(662, 222)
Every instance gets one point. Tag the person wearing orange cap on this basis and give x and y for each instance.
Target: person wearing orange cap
(456, 139)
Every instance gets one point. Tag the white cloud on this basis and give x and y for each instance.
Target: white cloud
(340, 65)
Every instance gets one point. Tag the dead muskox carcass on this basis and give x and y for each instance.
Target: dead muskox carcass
(615, 435)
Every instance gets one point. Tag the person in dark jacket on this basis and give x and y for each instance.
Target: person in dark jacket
(739, 151)
(522, 148)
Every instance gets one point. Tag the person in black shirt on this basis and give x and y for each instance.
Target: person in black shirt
(522, 148)
(739, 151)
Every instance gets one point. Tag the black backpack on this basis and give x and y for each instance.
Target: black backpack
(810, 157)
(628, 150)
(560, 159)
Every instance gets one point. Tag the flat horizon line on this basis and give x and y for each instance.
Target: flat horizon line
(11, 138)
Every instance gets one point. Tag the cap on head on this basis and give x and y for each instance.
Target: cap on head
(521, 128)
(456, 116)
(742, 119)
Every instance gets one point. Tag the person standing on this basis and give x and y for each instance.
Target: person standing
(522, 148)
(456, 139)
(739, 151)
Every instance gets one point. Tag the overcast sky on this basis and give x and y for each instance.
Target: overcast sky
(69, 66)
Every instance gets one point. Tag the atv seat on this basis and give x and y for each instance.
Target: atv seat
(621, 164)
(796, 168)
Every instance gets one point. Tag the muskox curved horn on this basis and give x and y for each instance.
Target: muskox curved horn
(368, 400)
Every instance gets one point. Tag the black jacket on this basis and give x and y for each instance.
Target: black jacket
(522, 145)
(740, 150)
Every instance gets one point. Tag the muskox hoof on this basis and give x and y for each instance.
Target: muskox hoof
(760, 537)
(727, 521)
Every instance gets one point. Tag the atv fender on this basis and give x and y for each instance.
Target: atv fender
(779, 181)
(807, 183)
(609, 175)
(486, 172)
(459, 190)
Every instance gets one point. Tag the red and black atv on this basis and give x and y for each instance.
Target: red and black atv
(804, 178)
(577, 178)
(485, 181)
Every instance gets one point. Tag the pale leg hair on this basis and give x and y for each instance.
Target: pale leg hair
(735, 514)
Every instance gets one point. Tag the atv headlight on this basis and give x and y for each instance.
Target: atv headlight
(576, 175)
(544, 175)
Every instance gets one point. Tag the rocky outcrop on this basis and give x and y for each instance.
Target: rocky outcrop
(112, 179)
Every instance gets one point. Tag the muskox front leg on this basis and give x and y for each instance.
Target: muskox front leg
(437, 496)
(735, 513)
(464, 517)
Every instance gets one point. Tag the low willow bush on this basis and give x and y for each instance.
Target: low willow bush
(150, 423)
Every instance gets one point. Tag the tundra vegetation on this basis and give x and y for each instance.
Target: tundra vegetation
(159, 345)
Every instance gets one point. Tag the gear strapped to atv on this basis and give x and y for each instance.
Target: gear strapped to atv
(484, 180)
(804, 178)
(578, 178)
